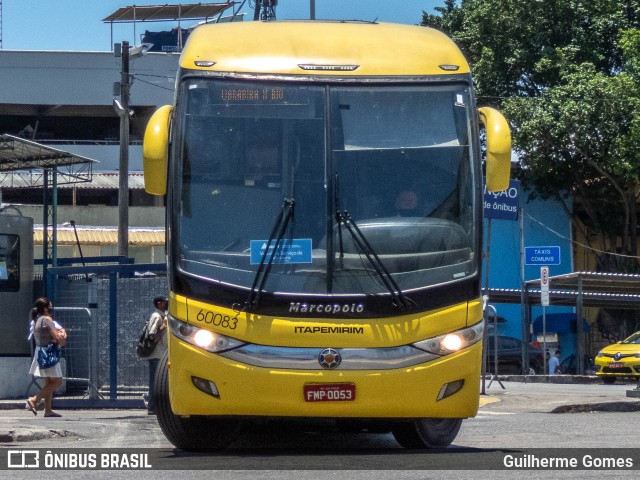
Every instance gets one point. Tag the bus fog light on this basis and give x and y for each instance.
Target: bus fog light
(185, 330)
(222, 343)
(206, 386)
(452, 342)
(449, 389)
(203, 338)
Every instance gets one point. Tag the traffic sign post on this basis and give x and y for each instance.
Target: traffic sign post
(544, 301)
(544, 286)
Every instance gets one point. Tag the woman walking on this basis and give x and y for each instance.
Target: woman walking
(45, 332)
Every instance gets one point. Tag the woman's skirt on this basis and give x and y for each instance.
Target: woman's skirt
(55, 371)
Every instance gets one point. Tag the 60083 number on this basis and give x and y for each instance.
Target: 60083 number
(217, 319)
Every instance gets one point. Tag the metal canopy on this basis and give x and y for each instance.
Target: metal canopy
(619, 283)
(579, 290)
(45, 167)
(163, 13)
(20, 154)
(594, 289)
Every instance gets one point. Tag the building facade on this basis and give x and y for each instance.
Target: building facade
(65, 100)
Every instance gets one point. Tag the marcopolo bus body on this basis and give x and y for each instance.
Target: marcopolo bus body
(324, 212)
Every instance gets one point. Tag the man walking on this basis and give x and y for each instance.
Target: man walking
(554, 364)
(157, 327)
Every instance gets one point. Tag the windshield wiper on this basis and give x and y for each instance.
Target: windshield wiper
(277, 234)
(397, 297)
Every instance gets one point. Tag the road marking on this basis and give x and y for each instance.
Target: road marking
(483, 413)
(485, 400)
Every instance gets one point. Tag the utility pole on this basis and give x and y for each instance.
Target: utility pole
(123, 173)
(312, 9)
(265, 10)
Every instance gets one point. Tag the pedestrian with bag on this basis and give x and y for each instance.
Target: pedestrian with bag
(49, 339)
(157, 331)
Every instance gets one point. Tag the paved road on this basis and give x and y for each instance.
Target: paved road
(133, 428)
(518, 417)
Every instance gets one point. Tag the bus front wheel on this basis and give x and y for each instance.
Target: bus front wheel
(427, 432)
(188, 433)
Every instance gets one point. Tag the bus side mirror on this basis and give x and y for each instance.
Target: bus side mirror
(155, 151)
(498, 149)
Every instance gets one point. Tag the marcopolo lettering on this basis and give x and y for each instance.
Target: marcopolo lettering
(332, 308)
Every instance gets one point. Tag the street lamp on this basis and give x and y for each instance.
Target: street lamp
(72, 223)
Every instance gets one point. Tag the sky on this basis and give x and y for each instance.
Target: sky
(77, 24)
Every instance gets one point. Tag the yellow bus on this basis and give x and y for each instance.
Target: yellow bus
(324, 215)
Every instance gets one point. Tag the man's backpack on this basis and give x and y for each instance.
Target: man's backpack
(146, 342)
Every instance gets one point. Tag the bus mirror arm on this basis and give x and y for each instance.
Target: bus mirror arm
(155, 151)
(498, 166)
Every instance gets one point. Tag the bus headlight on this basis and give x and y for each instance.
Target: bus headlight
(452, 342)
(202, 338)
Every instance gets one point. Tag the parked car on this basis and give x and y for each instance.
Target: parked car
(510, 356)
(569, 365)
(620, 359)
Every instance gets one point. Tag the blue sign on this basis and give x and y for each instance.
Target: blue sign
(542, 255)
(502, 205)
(297, 250)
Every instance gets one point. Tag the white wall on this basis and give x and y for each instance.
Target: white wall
(82, 78)
(14, 372)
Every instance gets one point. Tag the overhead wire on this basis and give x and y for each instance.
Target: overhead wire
(587, 247)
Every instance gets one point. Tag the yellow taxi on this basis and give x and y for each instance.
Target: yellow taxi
(620, 359)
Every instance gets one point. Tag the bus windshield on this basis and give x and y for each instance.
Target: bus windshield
(393, 158)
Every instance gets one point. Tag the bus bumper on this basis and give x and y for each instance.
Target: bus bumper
(246, 390)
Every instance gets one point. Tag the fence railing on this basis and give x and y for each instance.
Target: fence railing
(104, 307)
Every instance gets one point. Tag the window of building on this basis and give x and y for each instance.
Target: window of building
(9, 263)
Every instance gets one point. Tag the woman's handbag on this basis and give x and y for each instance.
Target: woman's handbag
(49, 356)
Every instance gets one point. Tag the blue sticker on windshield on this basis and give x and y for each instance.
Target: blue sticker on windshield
(297, 250)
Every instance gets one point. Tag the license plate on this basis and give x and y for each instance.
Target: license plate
(616, 365)
(329, 392)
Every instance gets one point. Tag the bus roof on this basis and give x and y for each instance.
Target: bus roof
(322, 48)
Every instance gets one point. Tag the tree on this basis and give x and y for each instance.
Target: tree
(518, 47)
(580, 139)
(567, 74)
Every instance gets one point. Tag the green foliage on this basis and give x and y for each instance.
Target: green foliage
(567, 74)
(519, 47)
(630, 46)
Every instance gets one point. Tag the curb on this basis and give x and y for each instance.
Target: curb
(560, 379)
(12, 404)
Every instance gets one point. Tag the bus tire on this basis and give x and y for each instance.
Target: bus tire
(187, 433)
(427, 432)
